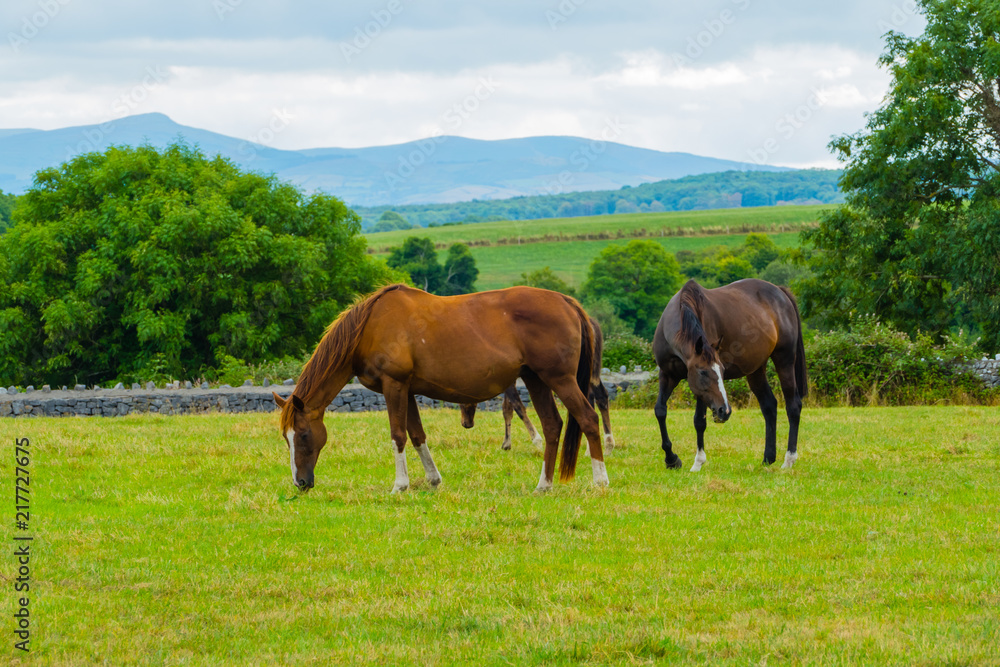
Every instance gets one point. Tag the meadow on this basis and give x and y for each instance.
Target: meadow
(512, 232)
(180, 540)
(505, 250)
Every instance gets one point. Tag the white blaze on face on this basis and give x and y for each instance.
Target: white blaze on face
(290, 437)
(722, 388)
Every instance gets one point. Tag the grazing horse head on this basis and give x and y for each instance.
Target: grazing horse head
(705, 369)
(305, 434)
(468, 414)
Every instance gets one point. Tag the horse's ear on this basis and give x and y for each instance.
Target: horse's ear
(699, 345)
(279, 401)
(297, 402)
(718, 344)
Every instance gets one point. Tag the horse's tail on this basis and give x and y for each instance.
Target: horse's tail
(584, 372)
(801, 381)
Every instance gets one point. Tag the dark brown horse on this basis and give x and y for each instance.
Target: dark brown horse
(512, 402)
(402, 342)
(707, 335)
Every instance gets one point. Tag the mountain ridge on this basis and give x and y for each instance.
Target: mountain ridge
(441, 169)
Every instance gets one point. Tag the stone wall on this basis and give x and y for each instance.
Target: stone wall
(174, 401)
(988, 370)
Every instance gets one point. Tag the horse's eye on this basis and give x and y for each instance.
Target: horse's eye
(704, 373)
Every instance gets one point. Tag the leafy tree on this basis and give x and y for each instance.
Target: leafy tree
(731, 269)
(638, 279)
(460, 272)
(7, 202)
(418, 258)
(546, 279)
(136, 261)
(759, 250)
(391, 221)
(918, 242)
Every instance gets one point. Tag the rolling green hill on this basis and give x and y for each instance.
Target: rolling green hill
(505, 250)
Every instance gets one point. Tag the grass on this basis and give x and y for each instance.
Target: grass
(179, 540)
(502, 265)
(512, 232)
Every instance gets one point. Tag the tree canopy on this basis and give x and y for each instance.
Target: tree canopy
(637, 279)
(919, 242)
(137, 259)
(417, 257)
(7, 202)
(391, 221)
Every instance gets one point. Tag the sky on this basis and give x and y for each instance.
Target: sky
(759, 81)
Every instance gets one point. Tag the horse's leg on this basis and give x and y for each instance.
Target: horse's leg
(419, 439)
(396, 406)
(769, 408)
(508, 414)
(793, 408)
(601, 400)
(579, 406)
(667, 385)
(548, 415)
(517, 405)
(700, 424)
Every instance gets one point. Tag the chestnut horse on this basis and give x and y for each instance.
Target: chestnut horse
(707, 335)
(401, 342)
(512, 402)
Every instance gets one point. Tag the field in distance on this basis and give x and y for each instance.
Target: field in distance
(176, 540)
(505, 250)
(719, 221)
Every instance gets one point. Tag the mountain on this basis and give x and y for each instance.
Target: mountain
(434, 170)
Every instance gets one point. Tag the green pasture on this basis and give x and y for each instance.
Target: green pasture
(502, 265)
(180, 540)
(719, 221)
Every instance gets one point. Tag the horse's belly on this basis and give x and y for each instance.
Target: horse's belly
(462, 388)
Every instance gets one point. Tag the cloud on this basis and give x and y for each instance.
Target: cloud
(720, 78)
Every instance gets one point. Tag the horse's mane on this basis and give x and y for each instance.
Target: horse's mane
(692, 302)
(334, 349)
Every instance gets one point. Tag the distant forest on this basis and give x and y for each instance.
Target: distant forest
(730, 189)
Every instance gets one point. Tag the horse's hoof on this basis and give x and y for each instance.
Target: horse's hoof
(676, 464)
(767, 462)
(543, 489)
(435, 481)
(399, 489)
(505, 446)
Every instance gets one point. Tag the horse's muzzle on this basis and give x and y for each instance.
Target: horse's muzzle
(305, 483)
(721, 415)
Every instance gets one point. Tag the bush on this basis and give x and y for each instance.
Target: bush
(627, 349)
(874, 364)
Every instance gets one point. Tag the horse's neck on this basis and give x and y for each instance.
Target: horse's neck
(324, 394)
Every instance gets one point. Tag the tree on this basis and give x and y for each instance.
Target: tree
(391, 221)
(759, 250)
(460, 272)
(919, 241)
(7, 202)
(134, 260)
(546, 279)
(418, 258)
(638, 279)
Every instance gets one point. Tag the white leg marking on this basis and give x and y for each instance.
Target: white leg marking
(699, 460)
(790, 459)
(722, 387)
(600, 473)
(290, 437)
(609, 441)
(402, 479)
(433, 476)
(543, 484)
(537, 440)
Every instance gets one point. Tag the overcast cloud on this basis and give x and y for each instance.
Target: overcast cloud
(767, 81)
